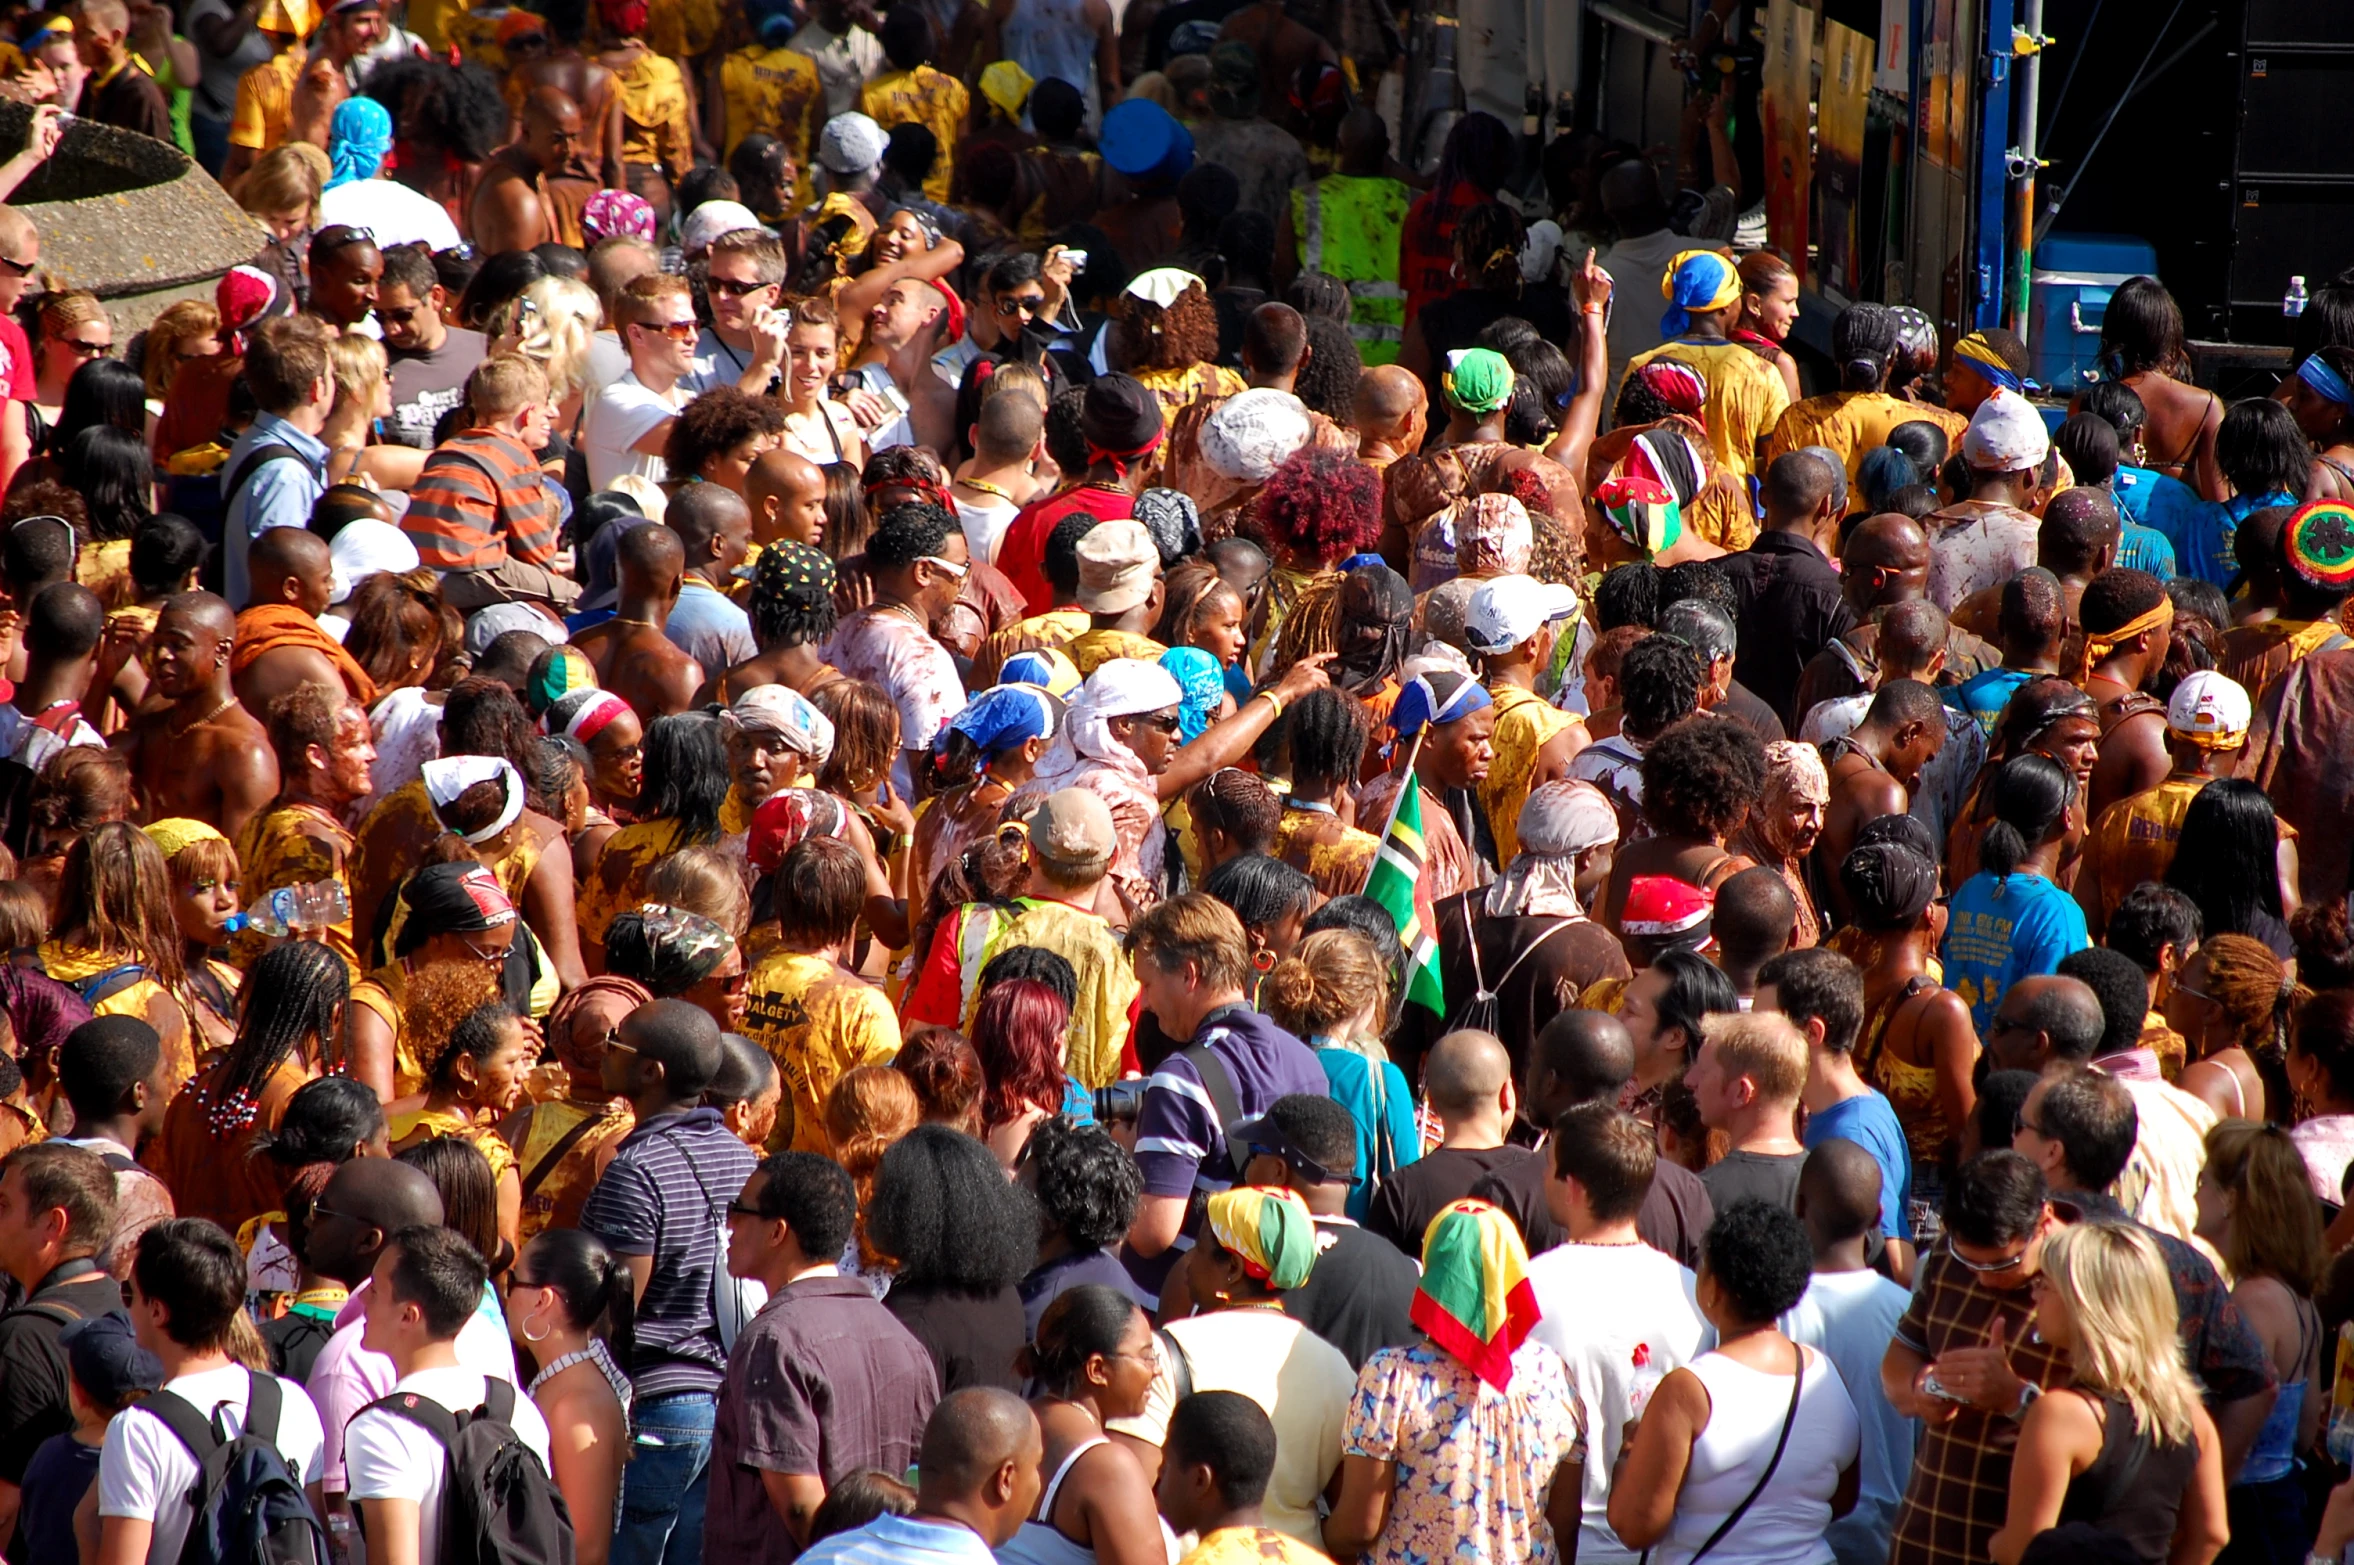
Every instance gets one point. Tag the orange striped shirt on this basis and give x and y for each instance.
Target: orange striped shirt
(479, 502)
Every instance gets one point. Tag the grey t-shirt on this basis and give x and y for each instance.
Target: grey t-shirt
(427, 385)
(1770, 1177)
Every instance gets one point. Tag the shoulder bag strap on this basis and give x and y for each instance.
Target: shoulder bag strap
(1179, 1362)
(555, 1153)
(1797, 1385)
(1220, 1087)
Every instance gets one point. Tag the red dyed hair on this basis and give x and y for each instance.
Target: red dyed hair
(1321, 504)
(1018, 1035)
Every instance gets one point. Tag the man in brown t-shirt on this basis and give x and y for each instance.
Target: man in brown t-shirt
(119, 90)
(823, 1383)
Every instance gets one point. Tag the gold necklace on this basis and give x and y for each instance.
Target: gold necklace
(191, 726)
(623, 619)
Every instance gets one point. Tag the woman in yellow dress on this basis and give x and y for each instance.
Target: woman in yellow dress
(458, 920)
(204, 886)
(1165, 334)
(475, 1080)
(117, 944)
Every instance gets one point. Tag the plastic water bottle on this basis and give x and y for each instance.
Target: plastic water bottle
(2292, 303)
(1644, 1381)
(291, 910)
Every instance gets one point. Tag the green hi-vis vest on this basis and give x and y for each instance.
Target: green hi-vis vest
(1348, 228)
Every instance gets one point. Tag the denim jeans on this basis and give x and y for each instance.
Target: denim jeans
(665, 1484)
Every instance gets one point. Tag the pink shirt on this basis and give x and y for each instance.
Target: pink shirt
(347, 1377)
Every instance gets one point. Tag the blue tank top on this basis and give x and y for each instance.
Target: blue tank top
(2274, 1455)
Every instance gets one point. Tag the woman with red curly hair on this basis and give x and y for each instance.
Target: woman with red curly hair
(1018, 1035)
(1165, 333)
(1316, 509)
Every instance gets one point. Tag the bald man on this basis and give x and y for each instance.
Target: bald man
(979, 1474)
(1392, 414)
(366, 1202)
(1885, 562)
(203, 756)
(1467, 1079)
(787, 494)
(714, 528)
(514, 206)
(633, 656)
(280, 644)
(118, 91)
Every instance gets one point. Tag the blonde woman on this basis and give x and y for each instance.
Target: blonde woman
(552, 323)
(282, 190)
(1332, 993)
(2126, 1447)
(188, 330)
(363, 395)
(2256, 1207)
(74, 329)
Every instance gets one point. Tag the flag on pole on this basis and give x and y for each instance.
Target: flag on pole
(1396, 883)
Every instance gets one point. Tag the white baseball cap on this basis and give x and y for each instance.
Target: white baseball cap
(2210, 710)
(1508, 610)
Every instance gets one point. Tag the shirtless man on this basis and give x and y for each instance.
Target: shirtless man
(513, 208)
(632, 655)
(2134, 751)
(902, 333)
(290, 565)
(591, 89)
(787, 493)
(203, 756)
(1282, 46)
(1876, 767)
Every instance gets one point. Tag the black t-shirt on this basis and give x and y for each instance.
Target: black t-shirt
(1411, 1197)
(295, 1340)
(33, 1401)
(1675, 1214)
(1771, 1177)
(972, 1338)
(1745, 707)
(1360, 1295)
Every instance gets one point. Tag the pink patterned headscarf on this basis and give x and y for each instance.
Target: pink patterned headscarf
(609, 213)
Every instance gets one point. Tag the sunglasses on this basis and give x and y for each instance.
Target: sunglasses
(17, 268)
(676, 331)
(1021, 304)
(731, 288)
(486, 958)
(958, 572)
(739, 1209)
(1167, 725)
(86, 350)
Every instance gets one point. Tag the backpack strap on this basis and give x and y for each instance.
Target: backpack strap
(258, 458)
(424, 1412)
(264, 1400)
(101, 987)
(498, 1399)
(555, 1153)
(49, 1309)
(177, 1414)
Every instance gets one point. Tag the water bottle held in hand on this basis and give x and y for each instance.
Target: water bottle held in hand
(1645, 1380)
(292, 910)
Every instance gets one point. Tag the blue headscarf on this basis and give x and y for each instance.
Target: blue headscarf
(1696, 280)
(1440, 696)
(359, 139)
(1004, 716)
(1204, 683)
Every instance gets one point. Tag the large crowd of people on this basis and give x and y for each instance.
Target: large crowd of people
(942, 785)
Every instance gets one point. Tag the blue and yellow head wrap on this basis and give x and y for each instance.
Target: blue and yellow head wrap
(1975, 351)
(1696, 280)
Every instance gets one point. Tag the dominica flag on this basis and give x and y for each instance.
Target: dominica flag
(1396, 883)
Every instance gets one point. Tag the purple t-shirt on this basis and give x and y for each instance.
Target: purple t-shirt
(1180, 1146)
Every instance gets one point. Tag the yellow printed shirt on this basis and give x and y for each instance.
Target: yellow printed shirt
(1848, 422)
(1176, 388)
(682, 29)
(612, 885)
(817, 1020)
(654, 127)
(555, 1202)
(1055, 629)
(77, 965)
(776, 91)
(930, 98)
(405, 1130)
(383, 852)
(265, 102)
(947, 992)
(1525, 724)
(1095, 648)
(1339, 867)
(292, 845)
(1746, 397)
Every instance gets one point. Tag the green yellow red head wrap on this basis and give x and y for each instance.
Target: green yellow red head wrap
(1270, 1229)
(2317, 547)
(1475, 1300)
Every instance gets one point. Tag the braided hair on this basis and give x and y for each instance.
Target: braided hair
(293, 998)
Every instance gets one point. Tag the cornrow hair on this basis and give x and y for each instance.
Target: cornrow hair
(1241, 805)
(295, 993)
(1328, 732)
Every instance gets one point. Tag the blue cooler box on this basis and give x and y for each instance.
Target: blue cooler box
(2074, 276)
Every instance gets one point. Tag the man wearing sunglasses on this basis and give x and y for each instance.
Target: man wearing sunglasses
(628, 425)
(430, 358)
(918, 559)
(1966, 1363)
(744, 346)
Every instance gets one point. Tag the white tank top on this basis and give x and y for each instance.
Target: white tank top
(1746, 1410)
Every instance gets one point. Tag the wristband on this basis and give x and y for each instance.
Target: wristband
(1590, 309)
(1272, 699)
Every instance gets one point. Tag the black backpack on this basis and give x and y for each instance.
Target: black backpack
(498, 1506)
(248, 1506)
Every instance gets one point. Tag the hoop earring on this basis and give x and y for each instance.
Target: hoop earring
(1263, 960)
(544, 1335)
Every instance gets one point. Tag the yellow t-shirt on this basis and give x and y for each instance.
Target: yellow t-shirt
(654, 127)
(933, 99)
(1525, 724)
(612, 885)
(817, 1020)
(682, 29)
(265, 102)
(1092, 650)
(1848, 422)
(292, 845)
(777, 91)
(74, 965)
(1746, 397)
(432, 1124)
